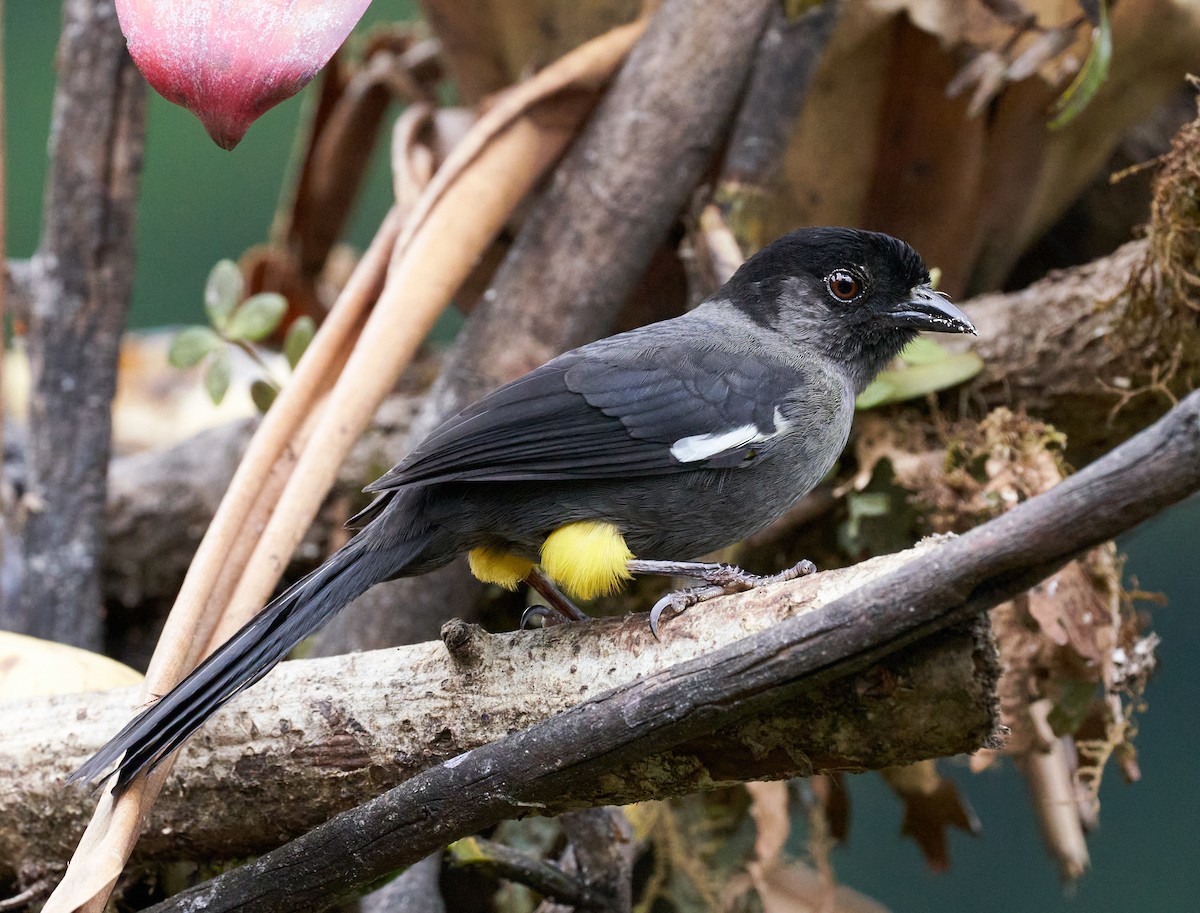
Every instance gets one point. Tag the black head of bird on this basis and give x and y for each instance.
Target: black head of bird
(858, 297)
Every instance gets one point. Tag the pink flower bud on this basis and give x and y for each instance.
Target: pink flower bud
(228, 61)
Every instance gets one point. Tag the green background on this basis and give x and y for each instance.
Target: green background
(200, 203)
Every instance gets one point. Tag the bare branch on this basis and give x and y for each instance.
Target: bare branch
(318, 736)
(82, 277)
(504, 862)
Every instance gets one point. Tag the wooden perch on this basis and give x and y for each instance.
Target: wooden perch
(540, 767)
(319, 736)
(1071, 347)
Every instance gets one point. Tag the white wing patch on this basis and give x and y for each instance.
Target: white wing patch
(698, 447)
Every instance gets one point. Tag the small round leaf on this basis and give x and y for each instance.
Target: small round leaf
(256, 317)
(216, 378)
(263, 393)
(190, 345)
(222, 292)
(299, 335)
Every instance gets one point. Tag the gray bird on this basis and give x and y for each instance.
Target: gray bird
(634, 454)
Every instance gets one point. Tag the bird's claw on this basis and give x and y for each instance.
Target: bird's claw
(680, 601)
(550, 617)
(667, 602)
(721, 581)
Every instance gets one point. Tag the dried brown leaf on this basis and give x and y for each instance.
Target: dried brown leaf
(932, 804)
(769, 809)
(797, 888)
(30, 666)
(1048, 771)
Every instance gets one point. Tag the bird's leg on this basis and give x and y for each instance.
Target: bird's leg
(560, 610)
(719, 580)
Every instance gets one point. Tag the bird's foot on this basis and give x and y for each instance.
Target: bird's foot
(719, 579)
(560, 609)
(549, 617)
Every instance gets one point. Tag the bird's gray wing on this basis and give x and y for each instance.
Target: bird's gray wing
(610, 413)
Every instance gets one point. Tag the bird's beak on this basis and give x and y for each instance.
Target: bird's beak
(927, 309)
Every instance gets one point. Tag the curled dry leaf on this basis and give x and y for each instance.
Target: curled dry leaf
(413, 162)
(769, 809)
(1048, 772)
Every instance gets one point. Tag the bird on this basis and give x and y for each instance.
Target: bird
(636, 453)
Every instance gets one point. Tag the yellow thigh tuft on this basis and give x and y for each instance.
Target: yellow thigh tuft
(491, 565)
(587, 559)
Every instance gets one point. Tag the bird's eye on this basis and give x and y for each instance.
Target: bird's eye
(843, 285)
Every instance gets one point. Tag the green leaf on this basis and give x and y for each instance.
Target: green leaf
(923, 351)
(467, 851)
(190, 345)
(263, 393)
(299, 335)
(257, 317)
(222, 292)
(878, 392)
(896, 385)
(1091, 75)
(1073, 706)
(216, 378)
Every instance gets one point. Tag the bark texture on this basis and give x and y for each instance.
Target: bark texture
(1090, 350)
(320, 736)
(80, 283)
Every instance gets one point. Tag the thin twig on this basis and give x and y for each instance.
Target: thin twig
(505, 862)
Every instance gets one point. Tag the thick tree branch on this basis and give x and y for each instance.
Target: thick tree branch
(788, 56)
(779, 666)
(319, 736)
(82, 275)
(1074, 346)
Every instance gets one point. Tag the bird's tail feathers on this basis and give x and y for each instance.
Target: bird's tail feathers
(245, 658)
